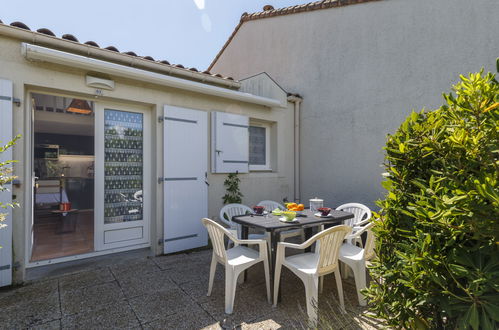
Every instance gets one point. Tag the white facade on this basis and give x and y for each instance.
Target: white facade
(361, 69)
(177, 159)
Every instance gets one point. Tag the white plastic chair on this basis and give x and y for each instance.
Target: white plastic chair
(362, 216)
(269, 207)
(235, 260)
(356, 257)
(230, 210)
(310, 266)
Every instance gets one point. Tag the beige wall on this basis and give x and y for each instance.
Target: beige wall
(361, 69)
(48, 78)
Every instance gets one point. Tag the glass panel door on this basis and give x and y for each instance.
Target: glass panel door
(123, 164)
(123, 219)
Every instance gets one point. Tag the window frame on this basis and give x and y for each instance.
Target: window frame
(267, 166)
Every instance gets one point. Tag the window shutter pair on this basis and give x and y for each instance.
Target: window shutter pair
(230, 143)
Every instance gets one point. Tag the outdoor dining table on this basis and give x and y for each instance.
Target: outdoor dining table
(271, 223)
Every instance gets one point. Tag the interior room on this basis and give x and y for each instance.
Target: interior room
(63, 164)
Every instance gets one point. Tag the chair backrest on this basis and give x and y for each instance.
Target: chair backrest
(230, 210)
(328, 247)
(360, 211)
(271, 205)
(369, 245)
(216, 233)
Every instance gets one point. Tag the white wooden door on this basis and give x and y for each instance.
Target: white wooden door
(122, 176)
(6, 195)
(185, 185)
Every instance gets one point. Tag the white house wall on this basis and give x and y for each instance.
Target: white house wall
(361, 69)
(51, 78)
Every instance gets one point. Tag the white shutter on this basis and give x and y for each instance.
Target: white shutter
(6, 195)
(185, 178)
(230, 149)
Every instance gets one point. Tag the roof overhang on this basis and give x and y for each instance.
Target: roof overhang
(38, 53)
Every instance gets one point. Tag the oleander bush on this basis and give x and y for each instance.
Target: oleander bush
(437, 246)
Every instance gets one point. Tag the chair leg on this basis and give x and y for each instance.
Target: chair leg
(321, 283)
(230, 289)
(277, 279)
(267, 278)
(359, 272)
(345, 270)
(311, 294)
(339, 285)
(213, 268)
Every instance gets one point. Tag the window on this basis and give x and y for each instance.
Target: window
(259, 147)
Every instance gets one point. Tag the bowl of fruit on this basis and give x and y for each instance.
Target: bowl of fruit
(258, 209)
(298, 208)
(289, 215)
(324, 211)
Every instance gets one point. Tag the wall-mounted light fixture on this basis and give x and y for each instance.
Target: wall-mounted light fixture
(99, 83)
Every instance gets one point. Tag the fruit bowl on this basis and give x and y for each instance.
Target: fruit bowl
(298, 208)
(324, 211)
(289, 215)
(258, 209)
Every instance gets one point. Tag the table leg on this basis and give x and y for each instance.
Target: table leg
(275, 237)
(244, 235)
(308, 234)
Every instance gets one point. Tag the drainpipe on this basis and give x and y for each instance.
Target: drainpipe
(296, 99)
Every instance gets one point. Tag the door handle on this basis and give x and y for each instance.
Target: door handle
(206, 179)
(218, 151)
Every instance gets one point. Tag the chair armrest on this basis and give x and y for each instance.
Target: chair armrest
(362, 223)
(358, 232)
(301, 246)
(250, 241)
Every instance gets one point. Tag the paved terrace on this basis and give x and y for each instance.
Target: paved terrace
(167, 292)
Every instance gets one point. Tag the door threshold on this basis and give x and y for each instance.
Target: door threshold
(40, 263)
(61, 269)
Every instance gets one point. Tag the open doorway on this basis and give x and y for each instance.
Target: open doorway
(63, 164)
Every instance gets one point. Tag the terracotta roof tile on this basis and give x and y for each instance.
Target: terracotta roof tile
(72, 38)
(20, 25)
(269, 11)
(69, 37)
(92, 43)
(46, 31)
(112, 48)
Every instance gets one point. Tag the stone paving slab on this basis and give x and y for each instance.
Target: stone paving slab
(112, 316)
(168, 292)
(85, 279)
(150, 283)
(90, 298)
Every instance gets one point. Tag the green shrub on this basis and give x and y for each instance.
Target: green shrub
(232, 192)
(6, 177)
(437, 262)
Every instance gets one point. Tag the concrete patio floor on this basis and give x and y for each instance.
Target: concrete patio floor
(167, 292)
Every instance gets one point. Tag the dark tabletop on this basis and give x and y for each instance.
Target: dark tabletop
(272, 222)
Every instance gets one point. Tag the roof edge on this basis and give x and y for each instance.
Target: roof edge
(20, 31)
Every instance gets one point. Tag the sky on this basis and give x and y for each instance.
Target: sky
(187, 32)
